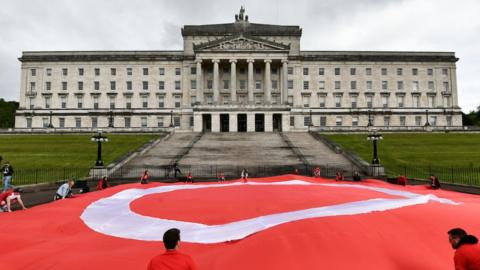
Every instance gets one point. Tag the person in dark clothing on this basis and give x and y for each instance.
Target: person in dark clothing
(176, 170)
(467, 250)
(103, 183)
(356, 176)
(435, 183)
(7, 170)
(144, 177)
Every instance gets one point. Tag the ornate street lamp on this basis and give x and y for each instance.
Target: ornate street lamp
(369, 124)
(110, 119)
(50, 125)
(171, 118)
(99, 138)
(374, 137)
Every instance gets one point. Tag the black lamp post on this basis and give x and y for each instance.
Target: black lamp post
(171, 118)
(374, 137)
(50, 125)
(369, 124)
(99, 138)
(310, 124)
(427, 124)
(110, 119)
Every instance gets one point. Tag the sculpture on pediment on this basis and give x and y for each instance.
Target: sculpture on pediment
(241, 44)
(241, 15)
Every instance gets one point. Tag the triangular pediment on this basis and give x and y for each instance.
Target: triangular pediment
(241, 43)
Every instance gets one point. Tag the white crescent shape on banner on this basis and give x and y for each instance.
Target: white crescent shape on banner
(113, 216)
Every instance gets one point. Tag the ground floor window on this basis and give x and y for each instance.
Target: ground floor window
(176, 121)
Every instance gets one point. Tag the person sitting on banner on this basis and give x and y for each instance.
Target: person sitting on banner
(339, 176)
(103, 183)
(65, 190)
(172, 259)
(244, 175)
(189, 178)
(435, 183)
(144, 177)
(402, 180)
(221, 177)
(9, 197)
(356, 176)
(467, 249)
(316, 172)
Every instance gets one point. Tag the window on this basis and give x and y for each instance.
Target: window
(449, 121)
(416, 101)
(353, 99)
(321, 100)
(274, 84)
(337, 85)
(290, 70)
(400, 101)
(433, 120)
(400, 85)
(355, 121)
(94, 122)
(321, 71)
(97, 72)
(176, 121)
(431, 86)
(47, 102)
(402, 121)
(369, 85)
(129, 72)
(384, 72)
(61, 122)
(384, 85)
(337, 71)
(144, 102)
(112, 102)
(385, 101)
(305, 71)
(275, 99)
(177, 101)
(445, 87)
(274, 71)
(178, 71)
(191, 121)
(415, 86)
(49, 72)
(258, 99)
(353, 85)
(446, 101)
(95, 102)
(64, 85)
(258, 84)
(96, 85)
(431, 101)
(143, 122)
(321, 85)
(63, 102)
(129, 85)
(323, 121)
(414, 71)
(353, 71)
(113, 71)
(430, 72)
(32, 86)
(48, 86)
(338, 101)
(444, 71)
(45, 122)
(290, 100)
(386, 121)
(161, 71)
(128, 102)
(258, 71)
(29, 122)
(193, 84)
(399, 71)
(226, 84)
(78, 122)
(292, 121)
(368, 71)
(80, 86)
(145, 71)
(160, 122)
(307, 121)
(369, 101)
(145, 85)
(193, 71)
(161, 85)
(418, 120)
(113, 85)
(161, 101)
(338, 121)
(177, 85)
(226, 70)
(64, 71)
(290, 84)
(128, 122)
(306, 101)
(242, 84)
(242, 71)
(305, 85)
(32, 103)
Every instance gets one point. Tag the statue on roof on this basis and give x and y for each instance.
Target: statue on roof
(241, 15)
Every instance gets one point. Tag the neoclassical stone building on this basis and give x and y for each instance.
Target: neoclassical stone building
(238, 77)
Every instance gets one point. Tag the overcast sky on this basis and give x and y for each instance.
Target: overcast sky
(408, 25)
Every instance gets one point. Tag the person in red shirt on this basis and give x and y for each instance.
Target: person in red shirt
(402, 180)
(467, 250)
(339, 176)
(7, 198)
(103, 183)
(172, 259)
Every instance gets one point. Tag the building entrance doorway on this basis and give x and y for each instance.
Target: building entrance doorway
(259, 122)
(224, 123)
(242, 123)
(277, 122)
(207, 122)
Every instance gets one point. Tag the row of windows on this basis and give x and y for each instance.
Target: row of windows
(368, 71)
(400, 85)
(161, 122)
(385, 101)
(402, 121)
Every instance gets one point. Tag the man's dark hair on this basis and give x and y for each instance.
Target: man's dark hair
(171, 238)
(457, 232)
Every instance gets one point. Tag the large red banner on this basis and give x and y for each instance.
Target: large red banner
(285, 222)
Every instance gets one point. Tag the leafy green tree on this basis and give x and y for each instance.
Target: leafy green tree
(7, 113)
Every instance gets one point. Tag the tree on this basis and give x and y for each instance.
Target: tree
(7, 113)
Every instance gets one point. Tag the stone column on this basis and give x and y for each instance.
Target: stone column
(233, 80)
(199, 79)
(268, 82)
(215, 81)
(250, 81)
(250, 122)
(268, 122)
(197, 122)
(284, 93)
(233, 122)
(215, 122)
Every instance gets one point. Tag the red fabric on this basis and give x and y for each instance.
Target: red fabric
(101, 183)
(4, 195)
(467, 257)
(402, 180)
(407, 238)
(172, 260)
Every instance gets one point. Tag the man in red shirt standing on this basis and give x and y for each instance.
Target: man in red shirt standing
(172, 259)
(467, 254)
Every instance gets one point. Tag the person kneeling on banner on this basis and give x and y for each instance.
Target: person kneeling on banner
(103, 183)
(65, 190)
(9, 197)
(402, 180)
(435, 183)
(144, 177)
(172, 259)
(339, 176)
(467, 250)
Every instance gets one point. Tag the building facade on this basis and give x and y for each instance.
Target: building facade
(238, 77)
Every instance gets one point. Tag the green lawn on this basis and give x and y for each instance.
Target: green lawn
(40, 158)
(453, 156)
